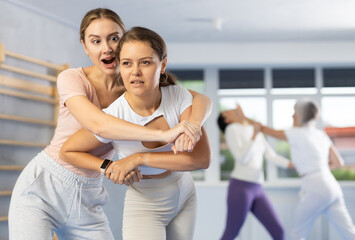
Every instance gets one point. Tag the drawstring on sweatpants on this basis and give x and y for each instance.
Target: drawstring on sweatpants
(77, 201)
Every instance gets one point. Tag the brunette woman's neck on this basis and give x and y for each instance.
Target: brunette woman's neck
(144, 105)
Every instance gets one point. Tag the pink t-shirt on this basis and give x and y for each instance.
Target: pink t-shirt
(73, 82)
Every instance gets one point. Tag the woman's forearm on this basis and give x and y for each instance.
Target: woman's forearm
(104, 125)
(201, 108)
(82, 160)
(199, 158)
(280, 134)
(114, 128)
(75, 150)
(335, 159)
(96, 121)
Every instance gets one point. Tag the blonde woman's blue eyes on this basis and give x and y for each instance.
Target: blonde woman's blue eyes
(95, 41)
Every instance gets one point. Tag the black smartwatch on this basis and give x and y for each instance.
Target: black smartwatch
(104, 166)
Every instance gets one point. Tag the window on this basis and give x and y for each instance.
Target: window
(293, 78)
(234, 83)
(253, 107)
(338, 81)
(334, 109)
(339, 77)
(282, 111)
(293, 81)
(269, 98)
(339, 122)
(342, 132)
(190, 79)
(241, 79)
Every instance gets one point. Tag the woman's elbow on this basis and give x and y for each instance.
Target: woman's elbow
(204, 160)
(95, 128)
(209, 103)
(206, 164)
(63, 154)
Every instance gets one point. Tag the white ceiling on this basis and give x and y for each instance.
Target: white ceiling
(240, 20)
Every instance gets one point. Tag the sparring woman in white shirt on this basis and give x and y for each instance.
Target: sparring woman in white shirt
(313, 154)
(245, 192)
(163, 204)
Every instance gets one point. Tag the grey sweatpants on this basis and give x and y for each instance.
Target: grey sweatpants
(48, 197)
(159, 209)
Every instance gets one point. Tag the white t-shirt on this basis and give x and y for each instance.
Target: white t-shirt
(309, 149)
(174, 101)
(249, 154)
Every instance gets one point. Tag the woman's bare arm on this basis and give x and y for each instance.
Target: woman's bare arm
(279, 134)
(201, 108)
(107, 126)
(335, 159)
(76, 150)
(198, 158)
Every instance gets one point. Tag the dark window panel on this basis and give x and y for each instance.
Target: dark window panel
(293, 78)
(339, 77)
(243, 78)
(188, 74)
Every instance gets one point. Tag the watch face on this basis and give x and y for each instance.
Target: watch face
(105, 163)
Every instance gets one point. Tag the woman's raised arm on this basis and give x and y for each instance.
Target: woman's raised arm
(201, 108)
(335, 159)
(107, 126)
(280, 134)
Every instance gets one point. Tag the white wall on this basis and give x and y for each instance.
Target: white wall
(32, 34)
(261, 54)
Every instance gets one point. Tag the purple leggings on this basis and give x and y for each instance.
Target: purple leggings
(244, 197)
